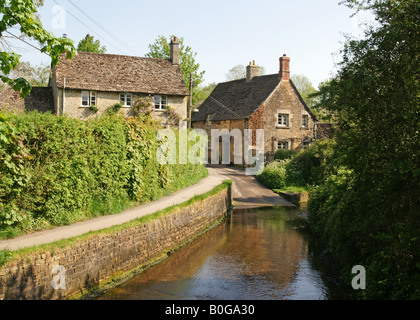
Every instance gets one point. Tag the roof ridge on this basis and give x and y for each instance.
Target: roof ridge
(255, 77)
(119, 55)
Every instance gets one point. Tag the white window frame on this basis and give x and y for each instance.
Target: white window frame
(285, 144)
(92, 98)
(126, 100)
(284, 121)
(162, 102)
(305, 123)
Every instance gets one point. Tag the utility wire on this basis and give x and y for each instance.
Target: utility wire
(223, 106)
(87, 26)
(29, 44)
(102, 28)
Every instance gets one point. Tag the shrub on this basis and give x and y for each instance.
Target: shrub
(274, 174)
(283, 154)
(57, 170)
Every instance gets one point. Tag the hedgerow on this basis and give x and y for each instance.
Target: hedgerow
(57, 170)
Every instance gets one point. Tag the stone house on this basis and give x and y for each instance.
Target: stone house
(269, 102)
(89, 84)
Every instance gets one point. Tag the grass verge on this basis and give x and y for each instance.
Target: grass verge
(7, 256)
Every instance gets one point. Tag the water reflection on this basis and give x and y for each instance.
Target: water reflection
(255, 254)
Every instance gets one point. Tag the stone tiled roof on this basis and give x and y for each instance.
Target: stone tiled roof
(237, 99)
(119, 73)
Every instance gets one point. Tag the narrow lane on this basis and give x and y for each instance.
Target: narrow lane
(248, 192)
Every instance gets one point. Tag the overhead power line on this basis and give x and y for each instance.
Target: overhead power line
(88, 27)
(102, 28)
(29, 44)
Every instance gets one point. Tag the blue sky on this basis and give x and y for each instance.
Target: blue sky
(222, 33)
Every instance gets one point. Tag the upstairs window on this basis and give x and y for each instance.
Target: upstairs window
(305, 121)
(160, 102)
(126, 99)
(88, 98)
(283, 120)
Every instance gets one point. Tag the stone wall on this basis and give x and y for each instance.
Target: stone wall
(40, 98)
(100, 256)
(285, 100)
(74, 109)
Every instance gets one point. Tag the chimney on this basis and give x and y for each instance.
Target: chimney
(252, 71)
(174, 51)
(285, 68)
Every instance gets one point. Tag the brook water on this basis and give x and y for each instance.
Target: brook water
(256, 254)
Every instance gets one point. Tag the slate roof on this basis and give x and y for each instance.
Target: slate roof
(119, 73)
(237, 99)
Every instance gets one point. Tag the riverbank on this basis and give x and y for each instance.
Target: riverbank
(105, 255)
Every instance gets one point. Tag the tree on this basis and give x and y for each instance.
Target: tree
(239, 72)
(22, 16)
(187, 59)
(88, 44)
(37, 76)
(304, 86)
(236, 73)
(203, 92)
(369, 212)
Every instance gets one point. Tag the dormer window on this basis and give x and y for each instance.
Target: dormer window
(126, 99)
(160, 102)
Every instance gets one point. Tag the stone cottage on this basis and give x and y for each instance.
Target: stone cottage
(90, 83)
(103, 80)
(269, 102)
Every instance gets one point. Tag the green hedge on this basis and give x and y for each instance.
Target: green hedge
(57, 170)
(304, 169)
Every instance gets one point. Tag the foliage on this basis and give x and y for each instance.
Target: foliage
(37, 76)
(22, 14)
(368, 213)
(187, 59)
(94, 108)
(88, 44)
(203, 92)
(282, 154)
(305, 88)
(114, 109)
(303, 169)
(274, 174)
(57, 170)
(13, 175)
(239, 72)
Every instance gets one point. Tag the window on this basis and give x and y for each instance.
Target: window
(126, 99)
(305, 121)
(88, 98)
(160, 102)
(283, 145)
(283, 120)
